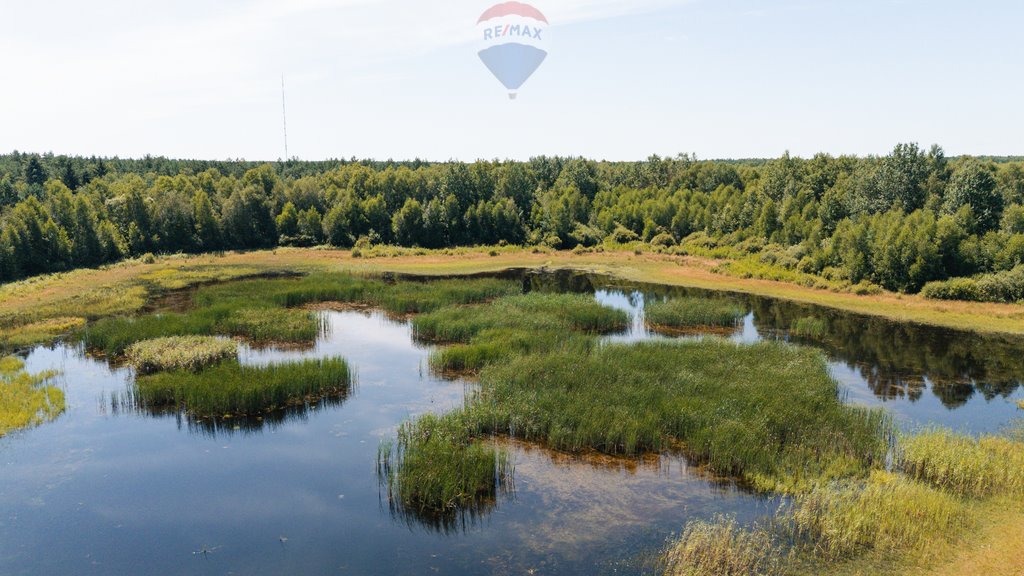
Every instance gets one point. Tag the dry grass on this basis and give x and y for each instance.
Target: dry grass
(723, 548)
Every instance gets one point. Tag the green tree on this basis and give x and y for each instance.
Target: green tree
(974, 185)
(288, 225)
(207, 228)
(247, 221)
(407, 223)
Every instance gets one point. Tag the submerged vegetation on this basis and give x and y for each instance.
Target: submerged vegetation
(233, 389)
(179, 353)
(692, 312)
(26, 400)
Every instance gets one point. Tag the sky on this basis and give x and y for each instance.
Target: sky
(401, 79)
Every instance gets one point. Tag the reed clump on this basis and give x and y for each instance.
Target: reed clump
(809, 327)
(26, 400)
(230, 388)
(693, 312)
(191, 353)
(723, 548)
(438, 466)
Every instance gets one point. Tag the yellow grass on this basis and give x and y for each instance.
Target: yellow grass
(124, 288)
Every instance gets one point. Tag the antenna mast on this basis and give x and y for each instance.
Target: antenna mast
(284, 116)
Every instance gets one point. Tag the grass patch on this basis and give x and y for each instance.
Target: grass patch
(710, 395)
(26, 400)
(693, 312)
(179, 353)
(809, 327)
(232, 389)
(532, 312)
(437, 471)
(990, 465)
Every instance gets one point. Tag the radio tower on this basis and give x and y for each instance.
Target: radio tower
(284, 117)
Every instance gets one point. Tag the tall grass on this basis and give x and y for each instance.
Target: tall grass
(437, 470)
(230, 388)
(989, 465)
(723, 548)
(26, 400)
(888, 514)
(769, 412)
(179, 353)
(532, 312)
(692, 312)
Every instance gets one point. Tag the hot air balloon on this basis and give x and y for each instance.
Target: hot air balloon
(514, 42)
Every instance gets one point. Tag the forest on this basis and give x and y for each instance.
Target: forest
(913, 221)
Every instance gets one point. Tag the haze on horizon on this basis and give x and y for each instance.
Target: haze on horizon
(401, 79)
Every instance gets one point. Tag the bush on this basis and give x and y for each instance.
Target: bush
(664, 240)
(1005, 286)
(623, 235)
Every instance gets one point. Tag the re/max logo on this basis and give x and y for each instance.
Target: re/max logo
(512, 30)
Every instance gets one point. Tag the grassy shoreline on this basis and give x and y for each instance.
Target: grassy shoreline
(28, 307)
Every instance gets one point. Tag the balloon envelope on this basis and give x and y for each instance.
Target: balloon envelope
(513, 64)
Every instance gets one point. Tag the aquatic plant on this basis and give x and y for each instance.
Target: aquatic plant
(179, 353)
(768, 412)
(271, 325)
(496, 344)
(809, 327)
(230, 388)
(532, 312)
(692, 312)
(437, 468)
(964, 465)
(26, 400)
(41, 331)
(723, 548)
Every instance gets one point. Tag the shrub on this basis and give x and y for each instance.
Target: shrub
(1007, 286)
(664, 239)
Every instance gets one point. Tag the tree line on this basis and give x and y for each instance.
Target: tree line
(899, 221)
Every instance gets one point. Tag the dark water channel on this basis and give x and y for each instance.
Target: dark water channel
(110, 490)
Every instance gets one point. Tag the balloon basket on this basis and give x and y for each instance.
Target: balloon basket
(512, 95)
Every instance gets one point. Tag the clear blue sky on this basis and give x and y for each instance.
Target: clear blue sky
(401, 79)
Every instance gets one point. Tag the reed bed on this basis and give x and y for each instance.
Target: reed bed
(769, 412)
(437, 466)
(693, 312)
(26, 400)
(963, 465)
(723, 548)
(191, 353)
(232, 389)
(534, 312)
(809, 327)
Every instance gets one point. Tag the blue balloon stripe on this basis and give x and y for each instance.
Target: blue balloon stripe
(513, 63)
